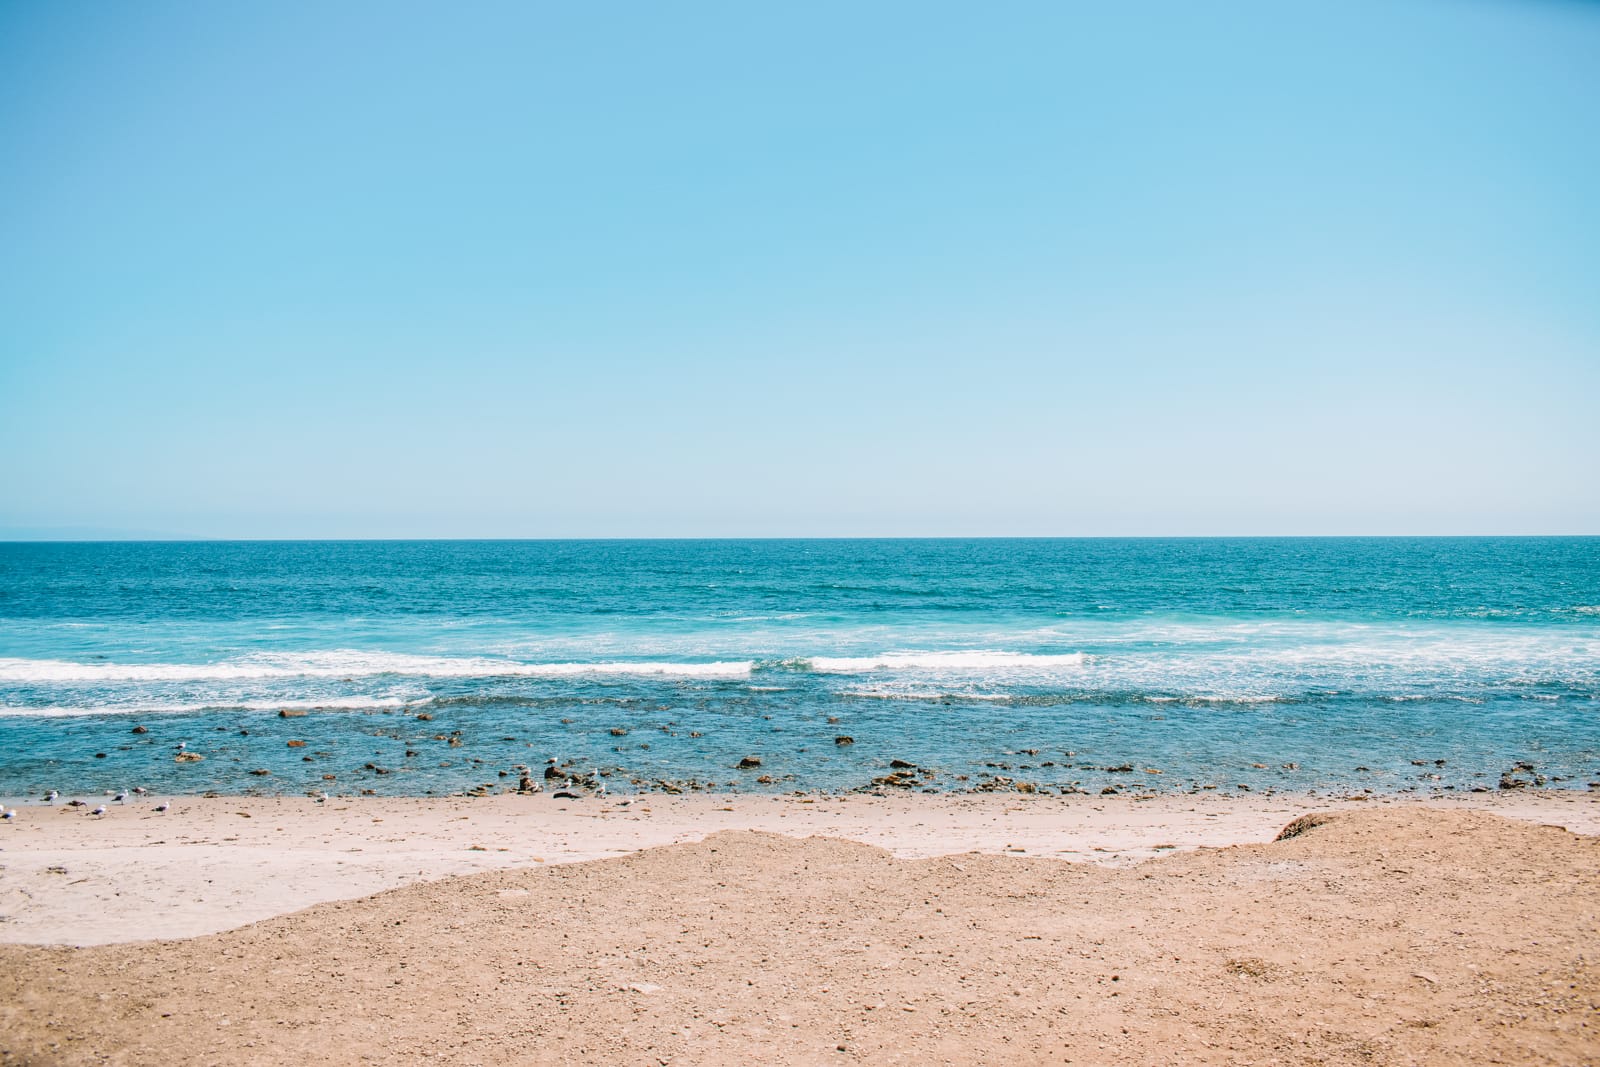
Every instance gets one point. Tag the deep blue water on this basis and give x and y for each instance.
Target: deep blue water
(1215, 661)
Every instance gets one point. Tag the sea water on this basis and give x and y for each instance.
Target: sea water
(1141, 664)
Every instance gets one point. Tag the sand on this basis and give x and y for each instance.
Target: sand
(1392, 932)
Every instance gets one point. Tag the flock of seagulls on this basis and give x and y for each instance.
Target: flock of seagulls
(119, 796)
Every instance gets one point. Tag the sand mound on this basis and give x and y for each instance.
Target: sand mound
(1383, 937)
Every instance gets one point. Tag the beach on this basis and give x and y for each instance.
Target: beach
(710, 929)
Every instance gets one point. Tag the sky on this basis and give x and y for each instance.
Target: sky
(618, 269)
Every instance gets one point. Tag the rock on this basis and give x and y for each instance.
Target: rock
(1299, 826)
(748, 762)
(1125, 768)
(1108, 790)
(619, 731)
(261, 772)
(902, 765)
(140, 730)
(844, 739)
(424, 716)
(187, 757)
(297, 744)
(290, 713)
(564, 795)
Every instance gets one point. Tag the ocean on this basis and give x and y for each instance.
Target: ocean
(435, 667)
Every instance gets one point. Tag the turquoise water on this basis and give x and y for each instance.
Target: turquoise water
(1215, 661)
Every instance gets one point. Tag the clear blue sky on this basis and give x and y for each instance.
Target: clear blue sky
(630, 269)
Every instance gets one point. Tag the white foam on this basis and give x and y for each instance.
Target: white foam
(967, 660)
(331, 704)
(346, 664)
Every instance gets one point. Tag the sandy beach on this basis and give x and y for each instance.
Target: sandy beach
(704, 929)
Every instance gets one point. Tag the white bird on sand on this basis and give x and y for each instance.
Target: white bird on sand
(139, 790)
(101, 810)
(121, 796)
(5, 814)
(51, 797)
(161, 806)
(322, 798)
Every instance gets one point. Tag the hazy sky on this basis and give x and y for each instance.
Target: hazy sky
(631, 269)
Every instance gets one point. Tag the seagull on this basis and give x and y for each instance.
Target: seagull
(162, 806)
(101, 810)
(322, 798)
(51, 797)
(139, 790)
(11, 814)
(182, 745)
(121, 796)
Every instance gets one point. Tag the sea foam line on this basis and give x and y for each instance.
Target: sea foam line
(965, 660)
(347, 664)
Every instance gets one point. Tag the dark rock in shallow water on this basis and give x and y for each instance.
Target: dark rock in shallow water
(844, 739)
(902, 765)
(140, 730)
(748, 762)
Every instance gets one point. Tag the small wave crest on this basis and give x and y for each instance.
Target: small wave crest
(962, 661)
(356, 703)
(346, 664)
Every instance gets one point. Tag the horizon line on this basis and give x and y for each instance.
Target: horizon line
(185, 539)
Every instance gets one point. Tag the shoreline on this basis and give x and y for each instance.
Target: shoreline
(210, 864)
